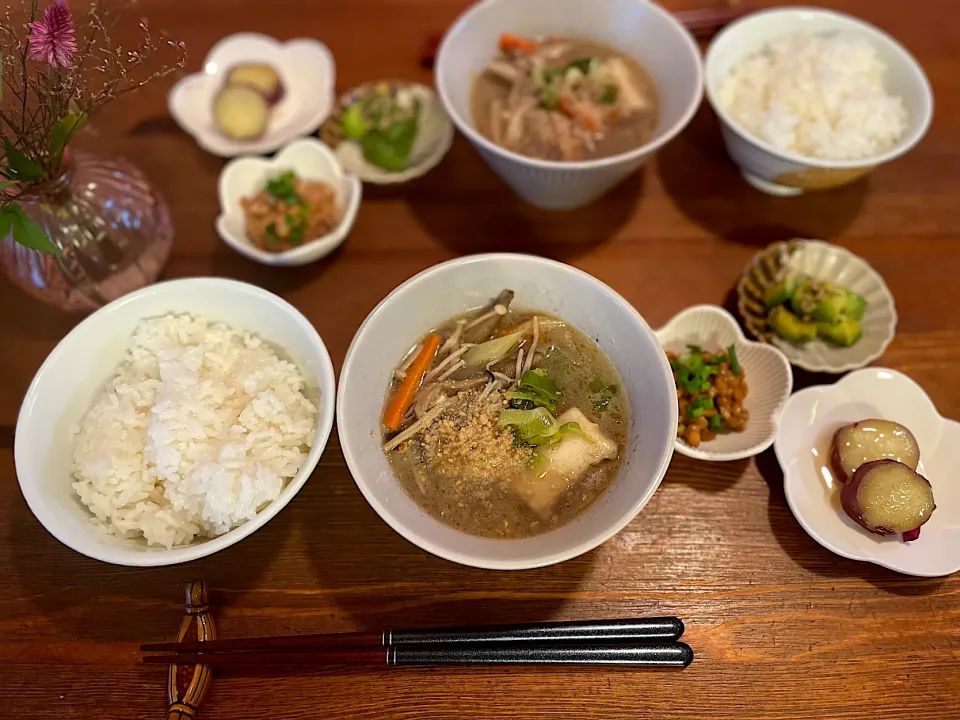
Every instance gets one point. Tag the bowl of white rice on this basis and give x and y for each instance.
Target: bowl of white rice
(810, 99)
(174, 422)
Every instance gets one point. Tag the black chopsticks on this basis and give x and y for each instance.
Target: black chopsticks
(643, 642)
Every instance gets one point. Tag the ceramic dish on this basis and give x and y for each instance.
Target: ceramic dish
(72, 375)
(767, 371)
(308, 74)
(821, 261)
(652, 35)
(781, 172)
(433, 140)
(310, 159)
(452, 287)
(802, 447)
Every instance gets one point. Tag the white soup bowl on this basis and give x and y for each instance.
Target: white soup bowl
(639, 28)
(427, 300)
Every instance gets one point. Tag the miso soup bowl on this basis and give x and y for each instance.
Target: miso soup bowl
(638, 28)
(425, 301)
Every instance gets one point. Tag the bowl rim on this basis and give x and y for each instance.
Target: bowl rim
(658, 141)
(310, 251)
(801, 358)
(906, 143)
(411, 534)
(741, 340)
(156, 557)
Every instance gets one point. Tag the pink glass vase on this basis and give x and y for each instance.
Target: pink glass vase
(112, 225)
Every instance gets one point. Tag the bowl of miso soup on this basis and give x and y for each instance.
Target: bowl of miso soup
(506, 411)
(564, 99)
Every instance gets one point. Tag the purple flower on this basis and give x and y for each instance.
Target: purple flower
(52, 39)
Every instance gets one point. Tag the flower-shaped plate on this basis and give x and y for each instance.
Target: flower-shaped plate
(802, 446)
(310, 159)
(767, 371)
(308, 74)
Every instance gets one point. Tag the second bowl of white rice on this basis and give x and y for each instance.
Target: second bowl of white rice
(810, 99)
(174, 422)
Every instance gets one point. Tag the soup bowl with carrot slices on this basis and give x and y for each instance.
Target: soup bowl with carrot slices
(506, 411)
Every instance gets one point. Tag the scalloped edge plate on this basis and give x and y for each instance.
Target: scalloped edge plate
(802, 447)
(310, 159)
(309, 74)
(434, 137)
(823, 261)
(769, 379)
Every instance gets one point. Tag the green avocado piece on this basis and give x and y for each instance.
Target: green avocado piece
(844, 332)
(780, 293)
(856, 306)
(804, 298)
(831, 303)
(789, 327)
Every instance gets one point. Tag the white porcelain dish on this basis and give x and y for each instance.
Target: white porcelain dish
(73, 374)
(453, 287)
(807, 425)
(768, 374)
(832, 263)
(306, 68)
(310, 159)
(433, 141)
(777, 171)
(641, 28)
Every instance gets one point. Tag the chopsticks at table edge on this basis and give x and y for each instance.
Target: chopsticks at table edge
(664, 654)
(640, 642)
(589, 631)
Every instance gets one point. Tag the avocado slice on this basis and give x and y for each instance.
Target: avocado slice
(789, 327)
(856, 306)
(804, 298)
(844, 332)
(781, 292)
(831, 303)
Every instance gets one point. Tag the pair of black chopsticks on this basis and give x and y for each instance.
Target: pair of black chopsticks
(645, 642)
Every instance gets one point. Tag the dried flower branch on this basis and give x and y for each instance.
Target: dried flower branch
(57, 70)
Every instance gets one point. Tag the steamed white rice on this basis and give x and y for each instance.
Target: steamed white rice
(199, 428)
(816, 95)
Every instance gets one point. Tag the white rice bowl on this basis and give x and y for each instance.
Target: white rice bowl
(83, 370)
(818, 95)
(198, 429)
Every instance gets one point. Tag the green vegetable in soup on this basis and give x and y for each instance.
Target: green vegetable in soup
(529, 424)
(491, 351)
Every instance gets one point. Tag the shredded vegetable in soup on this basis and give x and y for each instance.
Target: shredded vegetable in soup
(505, 423)
(564, 99)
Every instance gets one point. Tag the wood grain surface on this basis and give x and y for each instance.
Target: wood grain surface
(782, 628)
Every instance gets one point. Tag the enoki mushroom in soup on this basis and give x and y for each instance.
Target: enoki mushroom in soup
(505, 422)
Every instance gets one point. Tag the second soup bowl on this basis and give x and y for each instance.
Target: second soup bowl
(638, 28)
(435, 295)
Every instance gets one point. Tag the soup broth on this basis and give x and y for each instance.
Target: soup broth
(564, 99)
(496, 443)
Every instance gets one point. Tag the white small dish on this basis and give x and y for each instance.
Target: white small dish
(802, 446)
(428, 299)
(768, 374)
(784, 173)
(73, 374)
(432, 143)
(308, 73)
(821, 261)
(310, 159)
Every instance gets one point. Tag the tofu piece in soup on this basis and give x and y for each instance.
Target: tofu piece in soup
(566, 462)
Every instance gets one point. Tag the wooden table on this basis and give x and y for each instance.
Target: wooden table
(782, 628)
